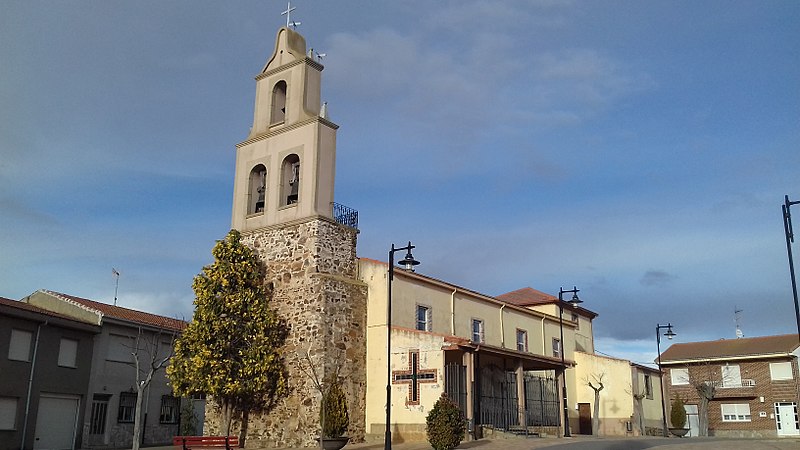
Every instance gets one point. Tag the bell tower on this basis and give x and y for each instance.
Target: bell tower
(285, 168)
(283, 207)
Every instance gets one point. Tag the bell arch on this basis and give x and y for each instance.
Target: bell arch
(278, 115)
(257, 190)
(290, 180)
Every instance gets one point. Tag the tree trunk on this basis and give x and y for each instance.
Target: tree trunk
(243, 428)
(596, 415)
(137, 418)
(638, 414)
(703, 419)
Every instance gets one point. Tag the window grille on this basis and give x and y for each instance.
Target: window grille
(127, 406)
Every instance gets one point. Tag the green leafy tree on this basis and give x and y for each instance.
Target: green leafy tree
(333, 414)
(231, 348)
(677, 413)
(445, 424)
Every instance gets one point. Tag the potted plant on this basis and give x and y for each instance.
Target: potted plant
(677, 416)
(334, 417)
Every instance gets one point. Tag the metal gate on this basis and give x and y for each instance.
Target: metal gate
(499, 402)
(541, 401)
(455, 384)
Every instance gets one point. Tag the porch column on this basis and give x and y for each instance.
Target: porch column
(521, 394)
(469, 362)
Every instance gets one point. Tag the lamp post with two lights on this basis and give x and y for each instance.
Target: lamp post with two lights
(408, 264)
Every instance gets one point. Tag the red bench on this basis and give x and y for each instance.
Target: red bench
(190, 442)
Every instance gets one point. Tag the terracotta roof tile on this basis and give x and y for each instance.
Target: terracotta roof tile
(120, 313)
(731, 348)
(527, 297)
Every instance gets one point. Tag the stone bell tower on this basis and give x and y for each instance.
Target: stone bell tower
(283, 206)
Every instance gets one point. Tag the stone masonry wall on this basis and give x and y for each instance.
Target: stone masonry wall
(312, 264)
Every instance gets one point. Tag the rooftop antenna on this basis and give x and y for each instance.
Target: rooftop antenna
(737, 315)
(288, 14)
(115, 273)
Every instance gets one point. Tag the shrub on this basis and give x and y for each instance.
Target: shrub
(333, 414)
(445, 424)
(677, 413)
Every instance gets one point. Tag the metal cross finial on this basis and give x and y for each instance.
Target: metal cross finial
(288, 13)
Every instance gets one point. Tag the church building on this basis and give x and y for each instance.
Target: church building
(501, 359)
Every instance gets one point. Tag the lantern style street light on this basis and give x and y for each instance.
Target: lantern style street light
(408, 264)
(574, 301)
(669, 334)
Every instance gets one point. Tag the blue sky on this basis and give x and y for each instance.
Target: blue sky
(638, 150)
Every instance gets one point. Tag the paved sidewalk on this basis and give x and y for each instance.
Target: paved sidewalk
(554, 442)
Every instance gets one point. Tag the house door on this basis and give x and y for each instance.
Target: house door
(692, 420)
(56, 423)
(786, 419)
(584, 418)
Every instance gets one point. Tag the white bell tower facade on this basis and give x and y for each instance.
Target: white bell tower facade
(285, 169)
(283, 207)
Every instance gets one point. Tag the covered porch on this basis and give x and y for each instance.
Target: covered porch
(505, 390)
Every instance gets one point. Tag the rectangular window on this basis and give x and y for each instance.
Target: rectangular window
(679, 376)
(735, 412)
(127, 406)
(522, 340)
(780, 371)
(67, 353)
(19, 348)
(575, 318)
(8, 413)
(423, 318)
(557, 347)
(477, 331)
(97, 424)
(169, 409)
(648, 387)
(731, 376)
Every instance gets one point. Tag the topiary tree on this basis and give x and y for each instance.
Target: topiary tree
(333, 413)
(677, 413)
(231, 350)
(445, 424)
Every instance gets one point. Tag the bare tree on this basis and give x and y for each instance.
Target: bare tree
(149, 356)
(704, 379)
(596, 383)
(638, 408)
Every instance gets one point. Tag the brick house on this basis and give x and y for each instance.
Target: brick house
(756, 381)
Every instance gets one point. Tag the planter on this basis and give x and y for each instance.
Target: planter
(680, 432)
(334, 443)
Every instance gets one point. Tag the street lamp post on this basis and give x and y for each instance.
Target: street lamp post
(574, 301)
(787, 228)
(669, 334)
(408, 262)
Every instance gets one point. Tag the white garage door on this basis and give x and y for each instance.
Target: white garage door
(56, 423)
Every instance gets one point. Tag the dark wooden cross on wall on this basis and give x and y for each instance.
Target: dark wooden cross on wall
(413, 377)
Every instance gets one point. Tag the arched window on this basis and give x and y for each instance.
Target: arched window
(278, 103)
(257, 190)
(290, 179)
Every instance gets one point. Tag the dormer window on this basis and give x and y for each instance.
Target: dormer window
(290, 180)
(256, 190)
(278, 115)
